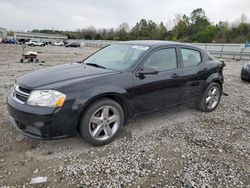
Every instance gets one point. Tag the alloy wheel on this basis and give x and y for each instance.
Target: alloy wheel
(213, 97)
(104, 123)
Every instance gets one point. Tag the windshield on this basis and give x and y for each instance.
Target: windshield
(116, 56)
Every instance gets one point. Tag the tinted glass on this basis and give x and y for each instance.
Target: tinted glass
(117, 56)
(164, 59)
(190, 57)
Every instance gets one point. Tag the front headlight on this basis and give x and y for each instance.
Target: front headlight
(49, 98)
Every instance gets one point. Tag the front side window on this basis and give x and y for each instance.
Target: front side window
(190, 57)
(163, 60)
(117, 56)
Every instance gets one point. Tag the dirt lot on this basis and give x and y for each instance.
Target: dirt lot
(180, 148)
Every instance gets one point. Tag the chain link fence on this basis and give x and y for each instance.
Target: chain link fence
(221, 51)
(226, 51)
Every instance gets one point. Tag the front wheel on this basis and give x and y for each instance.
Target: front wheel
(211, 98)
(101, 122)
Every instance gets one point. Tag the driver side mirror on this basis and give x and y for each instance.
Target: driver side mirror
(147, 71)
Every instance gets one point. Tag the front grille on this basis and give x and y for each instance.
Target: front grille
(21, 97)
(24, 90)
(20, 94)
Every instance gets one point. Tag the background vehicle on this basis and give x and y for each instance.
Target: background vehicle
(9, 41)
(74, 44)
(22, 41)
(58, 43)
(35, 43)
(120, 82)
(245, 72)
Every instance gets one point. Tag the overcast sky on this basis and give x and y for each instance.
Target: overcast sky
(72, 14)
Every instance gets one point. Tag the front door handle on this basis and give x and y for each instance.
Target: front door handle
(175, 75)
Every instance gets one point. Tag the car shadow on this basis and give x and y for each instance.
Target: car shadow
(139, 127)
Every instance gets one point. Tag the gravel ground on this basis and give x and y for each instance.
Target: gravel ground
(180, 148)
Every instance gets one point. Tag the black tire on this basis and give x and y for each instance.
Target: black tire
(203, 104)
(245, 79)
(85, 126)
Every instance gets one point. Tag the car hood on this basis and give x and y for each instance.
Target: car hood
(56, 76)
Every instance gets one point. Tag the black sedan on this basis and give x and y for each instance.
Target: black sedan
(122, 81)
(245, 72)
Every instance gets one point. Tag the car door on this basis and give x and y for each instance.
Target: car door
(194, 73)
(155, 92)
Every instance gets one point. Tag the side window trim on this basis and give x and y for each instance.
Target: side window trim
(163, 48)
(189, 48)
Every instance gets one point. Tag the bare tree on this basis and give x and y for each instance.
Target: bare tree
(124, 26)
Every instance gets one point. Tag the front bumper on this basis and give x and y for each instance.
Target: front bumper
(245, 74)
(42, 122)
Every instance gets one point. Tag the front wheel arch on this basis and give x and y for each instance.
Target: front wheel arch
(84, 129)
(116, 97)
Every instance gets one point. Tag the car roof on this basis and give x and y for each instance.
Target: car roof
(156, 43)
(148, 42)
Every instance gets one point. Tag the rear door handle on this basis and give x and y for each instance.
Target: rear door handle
(175, 75)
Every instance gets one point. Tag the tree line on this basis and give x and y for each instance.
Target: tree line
(193, 28)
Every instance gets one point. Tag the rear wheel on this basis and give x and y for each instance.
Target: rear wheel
(211, 98)
(101, 122)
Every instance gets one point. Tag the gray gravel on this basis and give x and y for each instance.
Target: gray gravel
(180, 148)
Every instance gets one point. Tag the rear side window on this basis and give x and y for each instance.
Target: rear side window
(163, 60)
(190, 57)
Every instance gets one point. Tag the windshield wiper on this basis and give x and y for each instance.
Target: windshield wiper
(79, 62)
(96, 65)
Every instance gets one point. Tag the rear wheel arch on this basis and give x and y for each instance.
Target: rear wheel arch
(202, 104)
(214, 78)
(218, 82)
